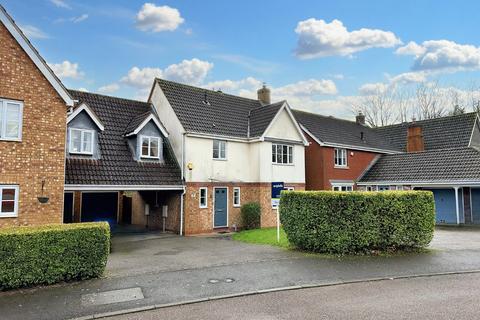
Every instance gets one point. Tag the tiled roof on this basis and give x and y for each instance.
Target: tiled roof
(116, 165)
(136, 121)
(261, 117)
(338, 131)
(441, 165)
(440, 133)
(211, 112)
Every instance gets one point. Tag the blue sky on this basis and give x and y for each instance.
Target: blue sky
(323, 56)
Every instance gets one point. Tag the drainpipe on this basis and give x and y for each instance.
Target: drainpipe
(184, 188)
(456, 205)
(181, 211)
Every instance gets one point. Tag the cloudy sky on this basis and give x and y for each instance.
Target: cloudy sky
(319, 55)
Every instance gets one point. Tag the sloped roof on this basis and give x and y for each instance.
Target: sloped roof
(262, 116)
(441, 165)
(35, 56)
(136, 121)
(440, 133)
(332, 130)
(116, 165)
(212, 112)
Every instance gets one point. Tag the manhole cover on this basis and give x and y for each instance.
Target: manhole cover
(213, 281)
(229, 280)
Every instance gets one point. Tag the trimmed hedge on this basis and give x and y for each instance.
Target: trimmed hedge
(47, 254)
(355, 222)
(250, 213)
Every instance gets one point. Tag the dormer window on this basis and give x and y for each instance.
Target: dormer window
(81, 141)
(150, 147)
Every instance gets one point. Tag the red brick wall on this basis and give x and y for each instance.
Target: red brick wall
(200, 220)
(320, 166)
(41, 153)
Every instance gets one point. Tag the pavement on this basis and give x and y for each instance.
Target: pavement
(147, 270)
(443, 297)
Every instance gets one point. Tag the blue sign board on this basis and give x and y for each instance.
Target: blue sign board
(277, 188)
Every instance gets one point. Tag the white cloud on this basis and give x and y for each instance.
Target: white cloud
(442, 56)
(188, 71)
(157, 19)
(33, 32)
(83, 89)
(109, 88)
(60, 4)
(80, 18)
(411, 48)
(373, 88)
(248, 84)
(309, 87)
(317, 38)
(191, 72)
(409, 77)
(141, 78)
(66, 69)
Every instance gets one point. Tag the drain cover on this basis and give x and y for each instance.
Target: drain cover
(213, 281)
(229, 280)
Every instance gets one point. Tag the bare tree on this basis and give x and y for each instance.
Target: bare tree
(430, 101)
(378, 107)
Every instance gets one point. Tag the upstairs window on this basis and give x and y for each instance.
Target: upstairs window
(10, 120)
(219, 150)
(81, 141)
(150, 147)
(282, 154)
(8, 201)
(340, 157)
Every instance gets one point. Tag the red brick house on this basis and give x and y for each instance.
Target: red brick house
(339, 151)
(33, 112)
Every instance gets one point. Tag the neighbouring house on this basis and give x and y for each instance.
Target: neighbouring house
(33, 115)
(339, 150)
(441, 155)
(120, 166)
(230, 150)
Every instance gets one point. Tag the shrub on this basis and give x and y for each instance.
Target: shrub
(251, 213)
(352, 222)
(47, 254)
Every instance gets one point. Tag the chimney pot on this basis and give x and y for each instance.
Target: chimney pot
(360, 118)
(264, 95)
(415, 142)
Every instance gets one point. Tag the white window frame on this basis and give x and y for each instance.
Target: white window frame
(3, 120)
(340, 154)
(13, 214)
(290, 188)
(276, 157)
(150, 138)
(220, 144)
(339, 186)
(238, 202)
(383, 187)
(82, 137)
(200, 205)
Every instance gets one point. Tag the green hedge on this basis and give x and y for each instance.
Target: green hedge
(354, 222)
(52, 253)
(251, 213)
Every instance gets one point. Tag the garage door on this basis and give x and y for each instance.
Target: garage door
(445, 209)
(476, 205)
(100, 206)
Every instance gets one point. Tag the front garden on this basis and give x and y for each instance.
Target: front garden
(351, 222)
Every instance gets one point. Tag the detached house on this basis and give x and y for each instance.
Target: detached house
(339, 150)
(230, 150)
(33, 115)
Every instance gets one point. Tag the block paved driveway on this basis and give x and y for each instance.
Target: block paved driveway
(149, 269)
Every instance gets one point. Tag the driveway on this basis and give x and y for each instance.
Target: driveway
(155, 269)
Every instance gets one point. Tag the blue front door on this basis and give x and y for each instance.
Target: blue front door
(220, 211)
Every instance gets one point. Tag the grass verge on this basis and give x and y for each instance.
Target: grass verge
(263, 236)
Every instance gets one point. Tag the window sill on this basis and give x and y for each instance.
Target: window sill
(236, 206)
(81, 153)
(342, 167)
(202, 207)
(8, 215)
(284, 164)
(11, 140)
(219, 159)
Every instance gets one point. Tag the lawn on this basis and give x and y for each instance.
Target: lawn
(263, 236)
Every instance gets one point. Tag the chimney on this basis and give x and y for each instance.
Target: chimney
(360, 118)
(415, 138)
(264, 95)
